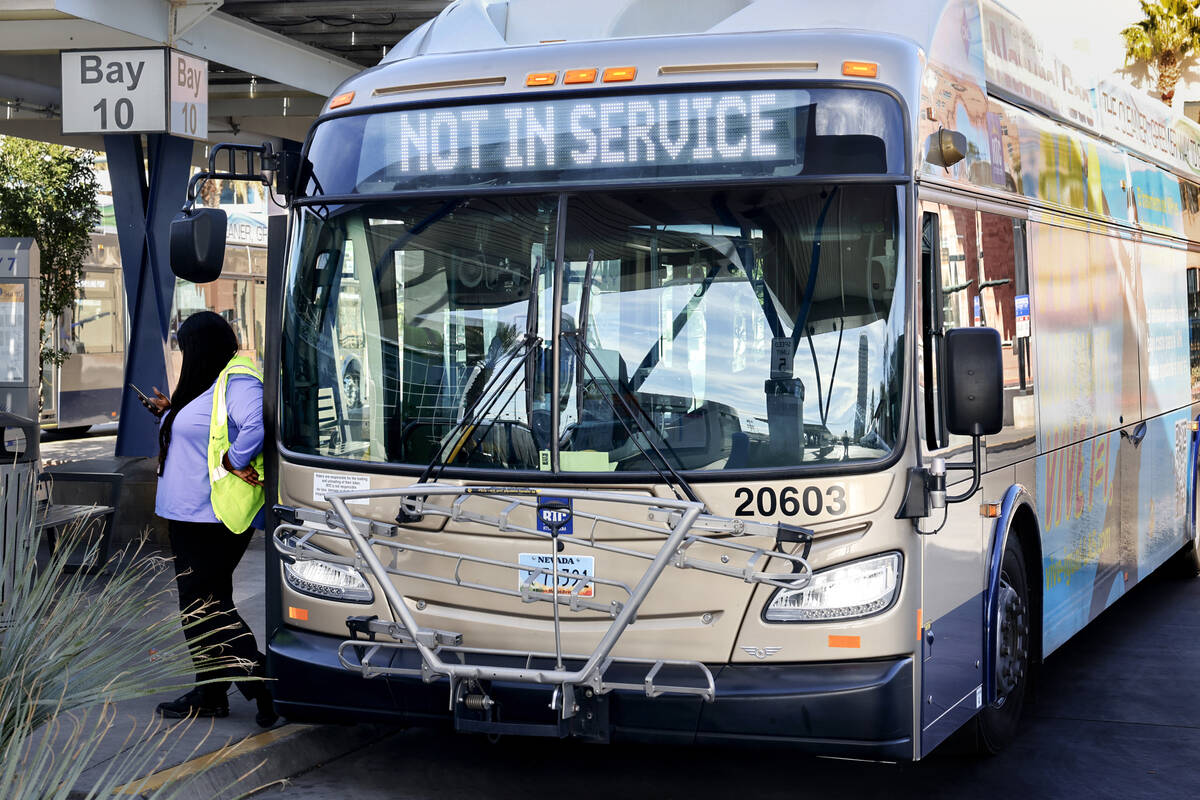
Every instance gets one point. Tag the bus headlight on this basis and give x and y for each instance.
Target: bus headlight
(858, 589)
(327, 580)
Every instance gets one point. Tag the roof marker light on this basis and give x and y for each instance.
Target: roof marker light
(860, 69)
(580, 75)
(619, 74)
(541, 79)
(343, 99)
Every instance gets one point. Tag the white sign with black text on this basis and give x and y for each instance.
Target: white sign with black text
(189, 96)
(150, 90)
(114, 91)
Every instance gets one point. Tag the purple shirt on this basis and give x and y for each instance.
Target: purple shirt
(184, 492)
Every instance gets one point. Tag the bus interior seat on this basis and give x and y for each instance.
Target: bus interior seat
(739, 451)
(599, 429)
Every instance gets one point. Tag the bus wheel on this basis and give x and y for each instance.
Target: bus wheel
(997, 724)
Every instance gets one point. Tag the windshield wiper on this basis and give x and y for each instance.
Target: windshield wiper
(463, 431)
(677, 482)
(581, 332)
(651, 359)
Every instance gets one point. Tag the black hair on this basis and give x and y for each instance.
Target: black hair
(207, 342)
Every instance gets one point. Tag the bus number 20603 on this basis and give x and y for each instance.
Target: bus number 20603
(790, 501)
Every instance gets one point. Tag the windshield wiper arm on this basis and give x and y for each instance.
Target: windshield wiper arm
(531, 322)
(581, 332)
(651, 359)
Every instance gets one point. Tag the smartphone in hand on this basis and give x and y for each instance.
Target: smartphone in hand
(150, 405)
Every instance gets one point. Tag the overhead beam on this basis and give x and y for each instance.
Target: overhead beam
(403, 22)
(355, 38)
(219, 37)
(331, 8)
(236, 43)
(186, 13)
(52, 35)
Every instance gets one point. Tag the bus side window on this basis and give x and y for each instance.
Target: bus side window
(1004, 305)
(1193, 306)
(950, 297)
(931, 326)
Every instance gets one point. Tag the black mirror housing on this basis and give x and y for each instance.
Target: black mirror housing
(974, 381)
(198, 244)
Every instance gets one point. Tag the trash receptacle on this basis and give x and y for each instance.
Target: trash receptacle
(18, 500)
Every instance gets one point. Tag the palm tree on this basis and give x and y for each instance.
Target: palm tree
(1169, 32)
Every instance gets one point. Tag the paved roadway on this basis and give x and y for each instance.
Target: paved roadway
(96, 443)
(1118, 716)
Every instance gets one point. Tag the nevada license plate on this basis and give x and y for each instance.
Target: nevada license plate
(570, 570)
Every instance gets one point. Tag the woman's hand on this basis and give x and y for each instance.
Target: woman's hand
(158, 404)
(248, 473)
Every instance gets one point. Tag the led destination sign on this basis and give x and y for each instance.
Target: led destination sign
(632, 137)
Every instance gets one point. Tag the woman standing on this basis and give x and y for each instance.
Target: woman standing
(210, 493)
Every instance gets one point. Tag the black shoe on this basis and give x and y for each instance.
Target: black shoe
(194, 704)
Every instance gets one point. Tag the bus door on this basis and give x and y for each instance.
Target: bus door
(952, 566)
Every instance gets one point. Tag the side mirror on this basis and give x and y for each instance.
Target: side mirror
(198, 244)
(974, 381)
(945, 148)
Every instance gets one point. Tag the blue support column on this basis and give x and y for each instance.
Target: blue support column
(144, 204)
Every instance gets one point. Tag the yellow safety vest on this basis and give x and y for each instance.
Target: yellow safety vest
(234, 501)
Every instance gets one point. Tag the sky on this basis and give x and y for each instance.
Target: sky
(1085, 33)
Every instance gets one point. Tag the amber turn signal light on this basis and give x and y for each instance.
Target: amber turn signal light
(580, 76)
(860, 69)
(619, 74)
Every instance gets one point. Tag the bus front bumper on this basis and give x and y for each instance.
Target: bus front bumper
(848, 708)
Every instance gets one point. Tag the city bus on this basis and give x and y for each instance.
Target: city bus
(777, 372)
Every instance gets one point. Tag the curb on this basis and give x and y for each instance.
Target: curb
(259, 761)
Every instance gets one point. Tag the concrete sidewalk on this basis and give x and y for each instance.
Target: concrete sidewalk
(278, 753)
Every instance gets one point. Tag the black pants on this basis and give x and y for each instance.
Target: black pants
(206, 554)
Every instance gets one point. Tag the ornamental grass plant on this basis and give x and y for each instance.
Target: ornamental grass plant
(73, 647)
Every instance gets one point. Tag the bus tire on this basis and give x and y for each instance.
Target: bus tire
(996, 725)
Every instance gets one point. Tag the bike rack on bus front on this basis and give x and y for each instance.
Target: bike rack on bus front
(674, 519)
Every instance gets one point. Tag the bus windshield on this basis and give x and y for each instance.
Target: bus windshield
(719, 328)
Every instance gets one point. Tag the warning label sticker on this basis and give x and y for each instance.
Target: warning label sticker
(325, 483)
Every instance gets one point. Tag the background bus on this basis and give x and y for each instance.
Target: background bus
(85, 389)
